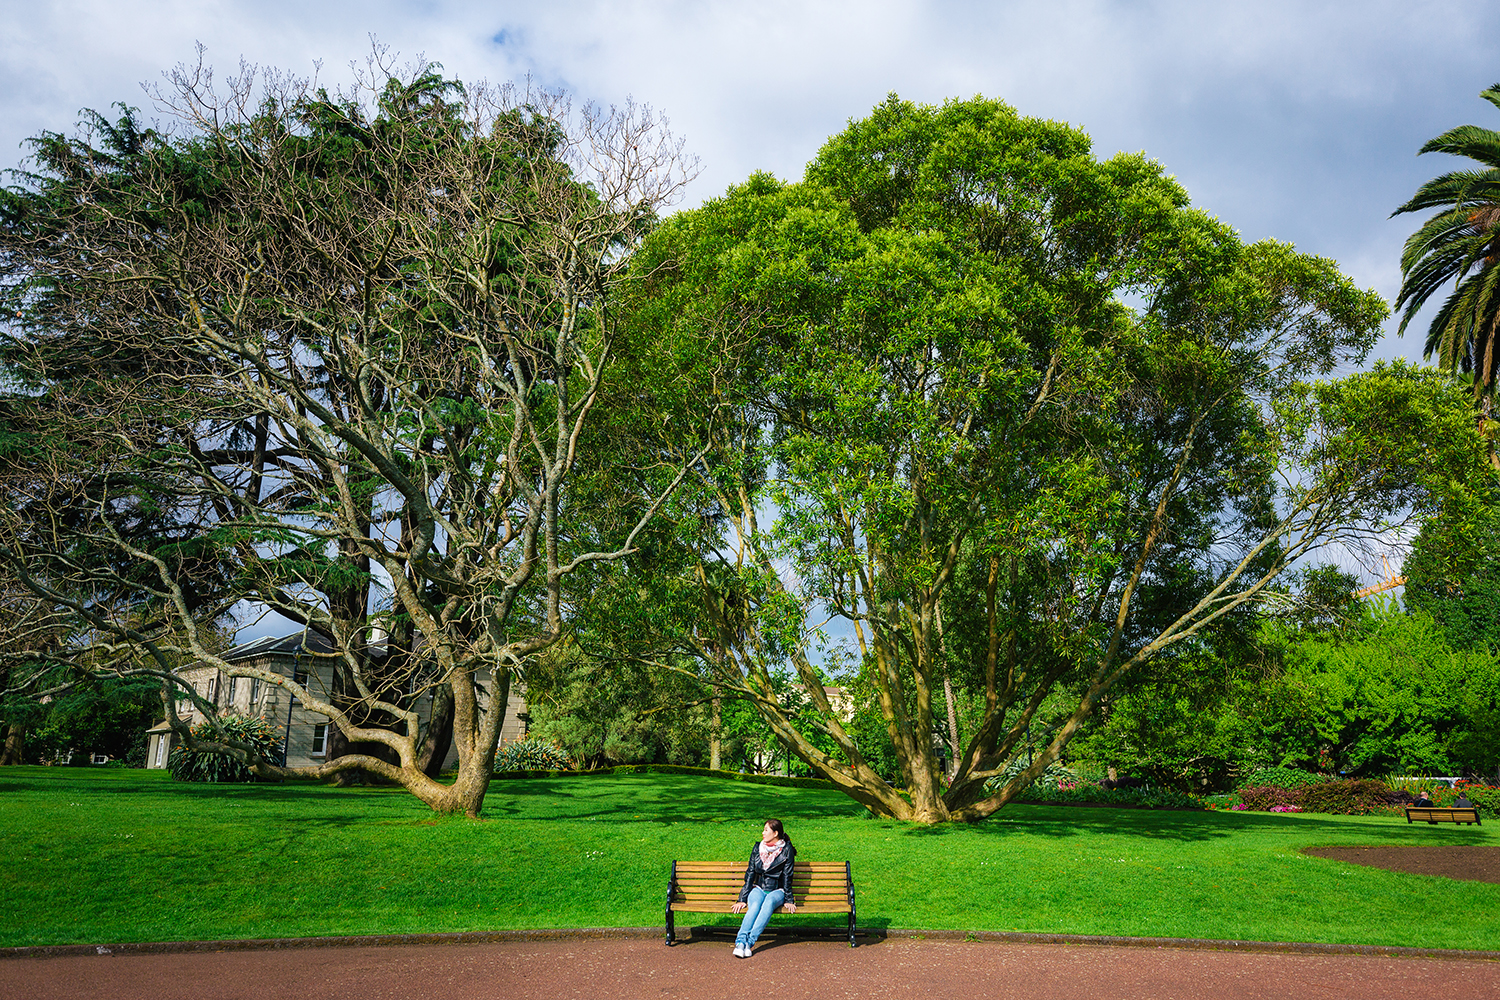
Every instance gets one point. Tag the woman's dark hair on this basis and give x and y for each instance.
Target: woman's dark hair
(775, 824)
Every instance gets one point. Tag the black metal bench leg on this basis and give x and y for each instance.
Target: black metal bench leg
(671, 920)
(849, 885)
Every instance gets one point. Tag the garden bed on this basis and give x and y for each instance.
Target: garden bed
(1467, 863)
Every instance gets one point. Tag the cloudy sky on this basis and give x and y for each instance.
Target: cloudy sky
(1298, 121)
(1294, 121)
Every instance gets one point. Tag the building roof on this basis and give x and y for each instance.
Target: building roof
(286, 645)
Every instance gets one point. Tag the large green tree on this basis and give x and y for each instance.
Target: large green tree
(362, 336)
(1460, 244)
(1021, 419)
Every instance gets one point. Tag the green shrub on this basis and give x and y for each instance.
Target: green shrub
(531, 755)
(1269, 798)
(1351, 797)
(1151, 798)
(1280, 777)
(136, 755)
(207, 765)
(1054, 775)
(1354, 797)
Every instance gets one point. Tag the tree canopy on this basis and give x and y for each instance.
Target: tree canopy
(1023, 421)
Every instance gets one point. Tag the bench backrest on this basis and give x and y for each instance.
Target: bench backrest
(817, 886)
(1443, 814)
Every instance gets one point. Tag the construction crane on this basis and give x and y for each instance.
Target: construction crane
(1391, 581)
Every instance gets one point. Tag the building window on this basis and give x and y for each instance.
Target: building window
(161, 748)
(211, 690)
(254, 692)
(234, 689)
(320, 739)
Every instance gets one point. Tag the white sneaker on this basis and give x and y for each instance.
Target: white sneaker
(737, 952)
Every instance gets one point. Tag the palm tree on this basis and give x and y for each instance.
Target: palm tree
(1460, 243)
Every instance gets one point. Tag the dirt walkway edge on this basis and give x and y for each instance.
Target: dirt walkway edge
(646, 933)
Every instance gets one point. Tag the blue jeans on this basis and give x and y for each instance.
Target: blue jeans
(761, 905)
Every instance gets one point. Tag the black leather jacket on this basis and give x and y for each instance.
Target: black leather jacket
(778, 876)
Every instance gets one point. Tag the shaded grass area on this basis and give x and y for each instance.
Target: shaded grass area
(106, 855)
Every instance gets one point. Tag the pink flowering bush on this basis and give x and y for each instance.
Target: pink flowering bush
(1266, 798)
(1344, 797)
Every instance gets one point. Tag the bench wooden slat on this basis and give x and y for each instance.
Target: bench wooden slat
(728, 908)
(726, 885)
(714, 865)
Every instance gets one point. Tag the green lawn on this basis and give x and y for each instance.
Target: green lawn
(109, 855)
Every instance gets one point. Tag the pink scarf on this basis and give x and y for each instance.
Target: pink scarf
(769, 852)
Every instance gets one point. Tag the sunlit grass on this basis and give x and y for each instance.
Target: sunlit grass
(101, 855)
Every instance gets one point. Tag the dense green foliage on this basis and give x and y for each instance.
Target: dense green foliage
(101, 856)
(1453, 572)
(1384, 694)
(104, 718)
(1281, 777)
(189, 764)
(531, 754)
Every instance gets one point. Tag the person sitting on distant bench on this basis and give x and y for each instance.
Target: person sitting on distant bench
(1462, 802)
(1423, 802)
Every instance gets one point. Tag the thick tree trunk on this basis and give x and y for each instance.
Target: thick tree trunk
(15, 745)
(955, 749)
(715, 735)
(439, 739)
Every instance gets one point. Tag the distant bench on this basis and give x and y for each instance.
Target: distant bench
(1436, 814)
(714, 887)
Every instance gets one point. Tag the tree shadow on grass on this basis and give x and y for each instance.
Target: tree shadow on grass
(1192, 826)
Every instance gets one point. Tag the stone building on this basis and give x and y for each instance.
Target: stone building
(304, 657)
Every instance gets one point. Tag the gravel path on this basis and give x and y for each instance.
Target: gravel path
(786, 970)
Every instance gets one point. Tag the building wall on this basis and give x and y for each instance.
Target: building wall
(248, 696)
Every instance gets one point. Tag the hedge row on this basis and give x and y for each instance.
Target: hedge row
(754, 779)
(1090, 792)
(1354, 797)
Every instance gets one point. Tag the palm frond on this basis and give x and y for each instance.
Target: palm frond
(1461, 187)
(1459, 244)
(1472, 141)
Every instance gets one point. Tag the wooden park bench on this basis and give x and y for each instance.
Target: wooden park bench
(714, 886)
(1438, 814)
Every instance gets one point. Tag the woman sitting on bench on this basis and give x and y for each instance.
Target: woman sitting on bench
(768, 884)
